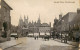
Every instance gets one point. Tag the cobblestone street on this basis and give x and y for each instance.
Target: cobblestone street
(40, 44)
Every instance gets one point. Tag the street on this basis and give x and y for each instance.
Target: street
(29, 43)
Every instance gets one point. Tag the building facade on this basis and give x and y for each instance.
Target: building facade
(45, 28)
(33, 27)
(63, 23)
(5, 20)
(69, 23)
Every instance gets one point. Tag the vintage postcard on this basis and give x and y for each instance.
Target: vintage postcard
(39, 24)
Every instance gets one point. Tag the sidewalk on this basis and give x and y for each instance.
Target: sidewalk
(68, 42)
(9, 44)
(56, 45)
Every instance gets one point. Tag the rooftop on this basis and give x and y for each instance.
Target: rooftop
(44, 25)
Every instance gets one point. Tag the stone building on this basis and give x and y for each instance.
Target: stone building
(33, 27)
(5, 20)
(57, 26)
(75, 24)
(45, 28)
(67, 20)
(69, 23)
(20, 26)
(63, 23)
(25, 22)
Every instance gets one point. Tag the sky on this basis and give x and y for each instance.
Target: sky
(48, 9)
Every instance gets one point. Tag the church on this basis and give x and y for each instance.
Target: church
(33, 27)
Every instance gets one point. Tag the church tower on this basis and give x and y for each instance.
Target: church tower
(21, 22)
(25, 21)
(39, 21)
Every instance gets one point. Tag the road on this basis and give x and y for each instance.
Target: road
(31, 44)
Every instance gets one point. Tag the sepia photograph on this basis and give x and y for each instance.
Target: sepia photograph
(39, 24)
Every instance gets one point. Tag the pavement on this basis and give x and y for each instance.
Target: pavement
(9, 44)
(28, 43)
(68, 42)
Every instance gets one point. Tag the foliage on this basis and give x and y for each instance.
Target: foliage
(5, 25)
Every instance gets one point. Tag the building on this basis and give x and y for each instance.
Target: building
(33, 27)
(57, 26)
(75, 24)
(69, 23)
(25, 22)
(20, 26)
(5, 21)
(67, 20)
(62, 24)
(44, 28)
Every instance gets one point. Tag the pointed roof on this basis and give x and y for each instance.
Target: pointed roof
(24, 17)
(39, 21)
(39, 17)
(27, 16)
(7, 4)
(20, 17)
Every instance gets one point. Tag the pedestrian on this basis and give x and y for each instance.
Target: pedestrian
(45, 37)
(37, 37)
(77, 37)
(65, 40)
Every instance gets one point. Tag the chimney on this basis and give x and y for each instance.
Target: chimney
(78, 10)
(60, 16)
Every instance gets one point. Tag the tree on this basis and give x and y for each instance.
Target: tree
(5, 26)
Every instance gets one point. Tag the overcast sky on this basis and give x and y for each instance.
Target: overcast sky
(48, 9)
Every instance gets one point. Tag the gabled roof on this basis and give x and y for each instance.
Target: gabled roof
(7, 5)
(65, 16)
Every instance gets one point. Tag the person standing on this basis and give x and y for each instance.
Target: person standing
(77, 37)
(45, 36)
(35, 37)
